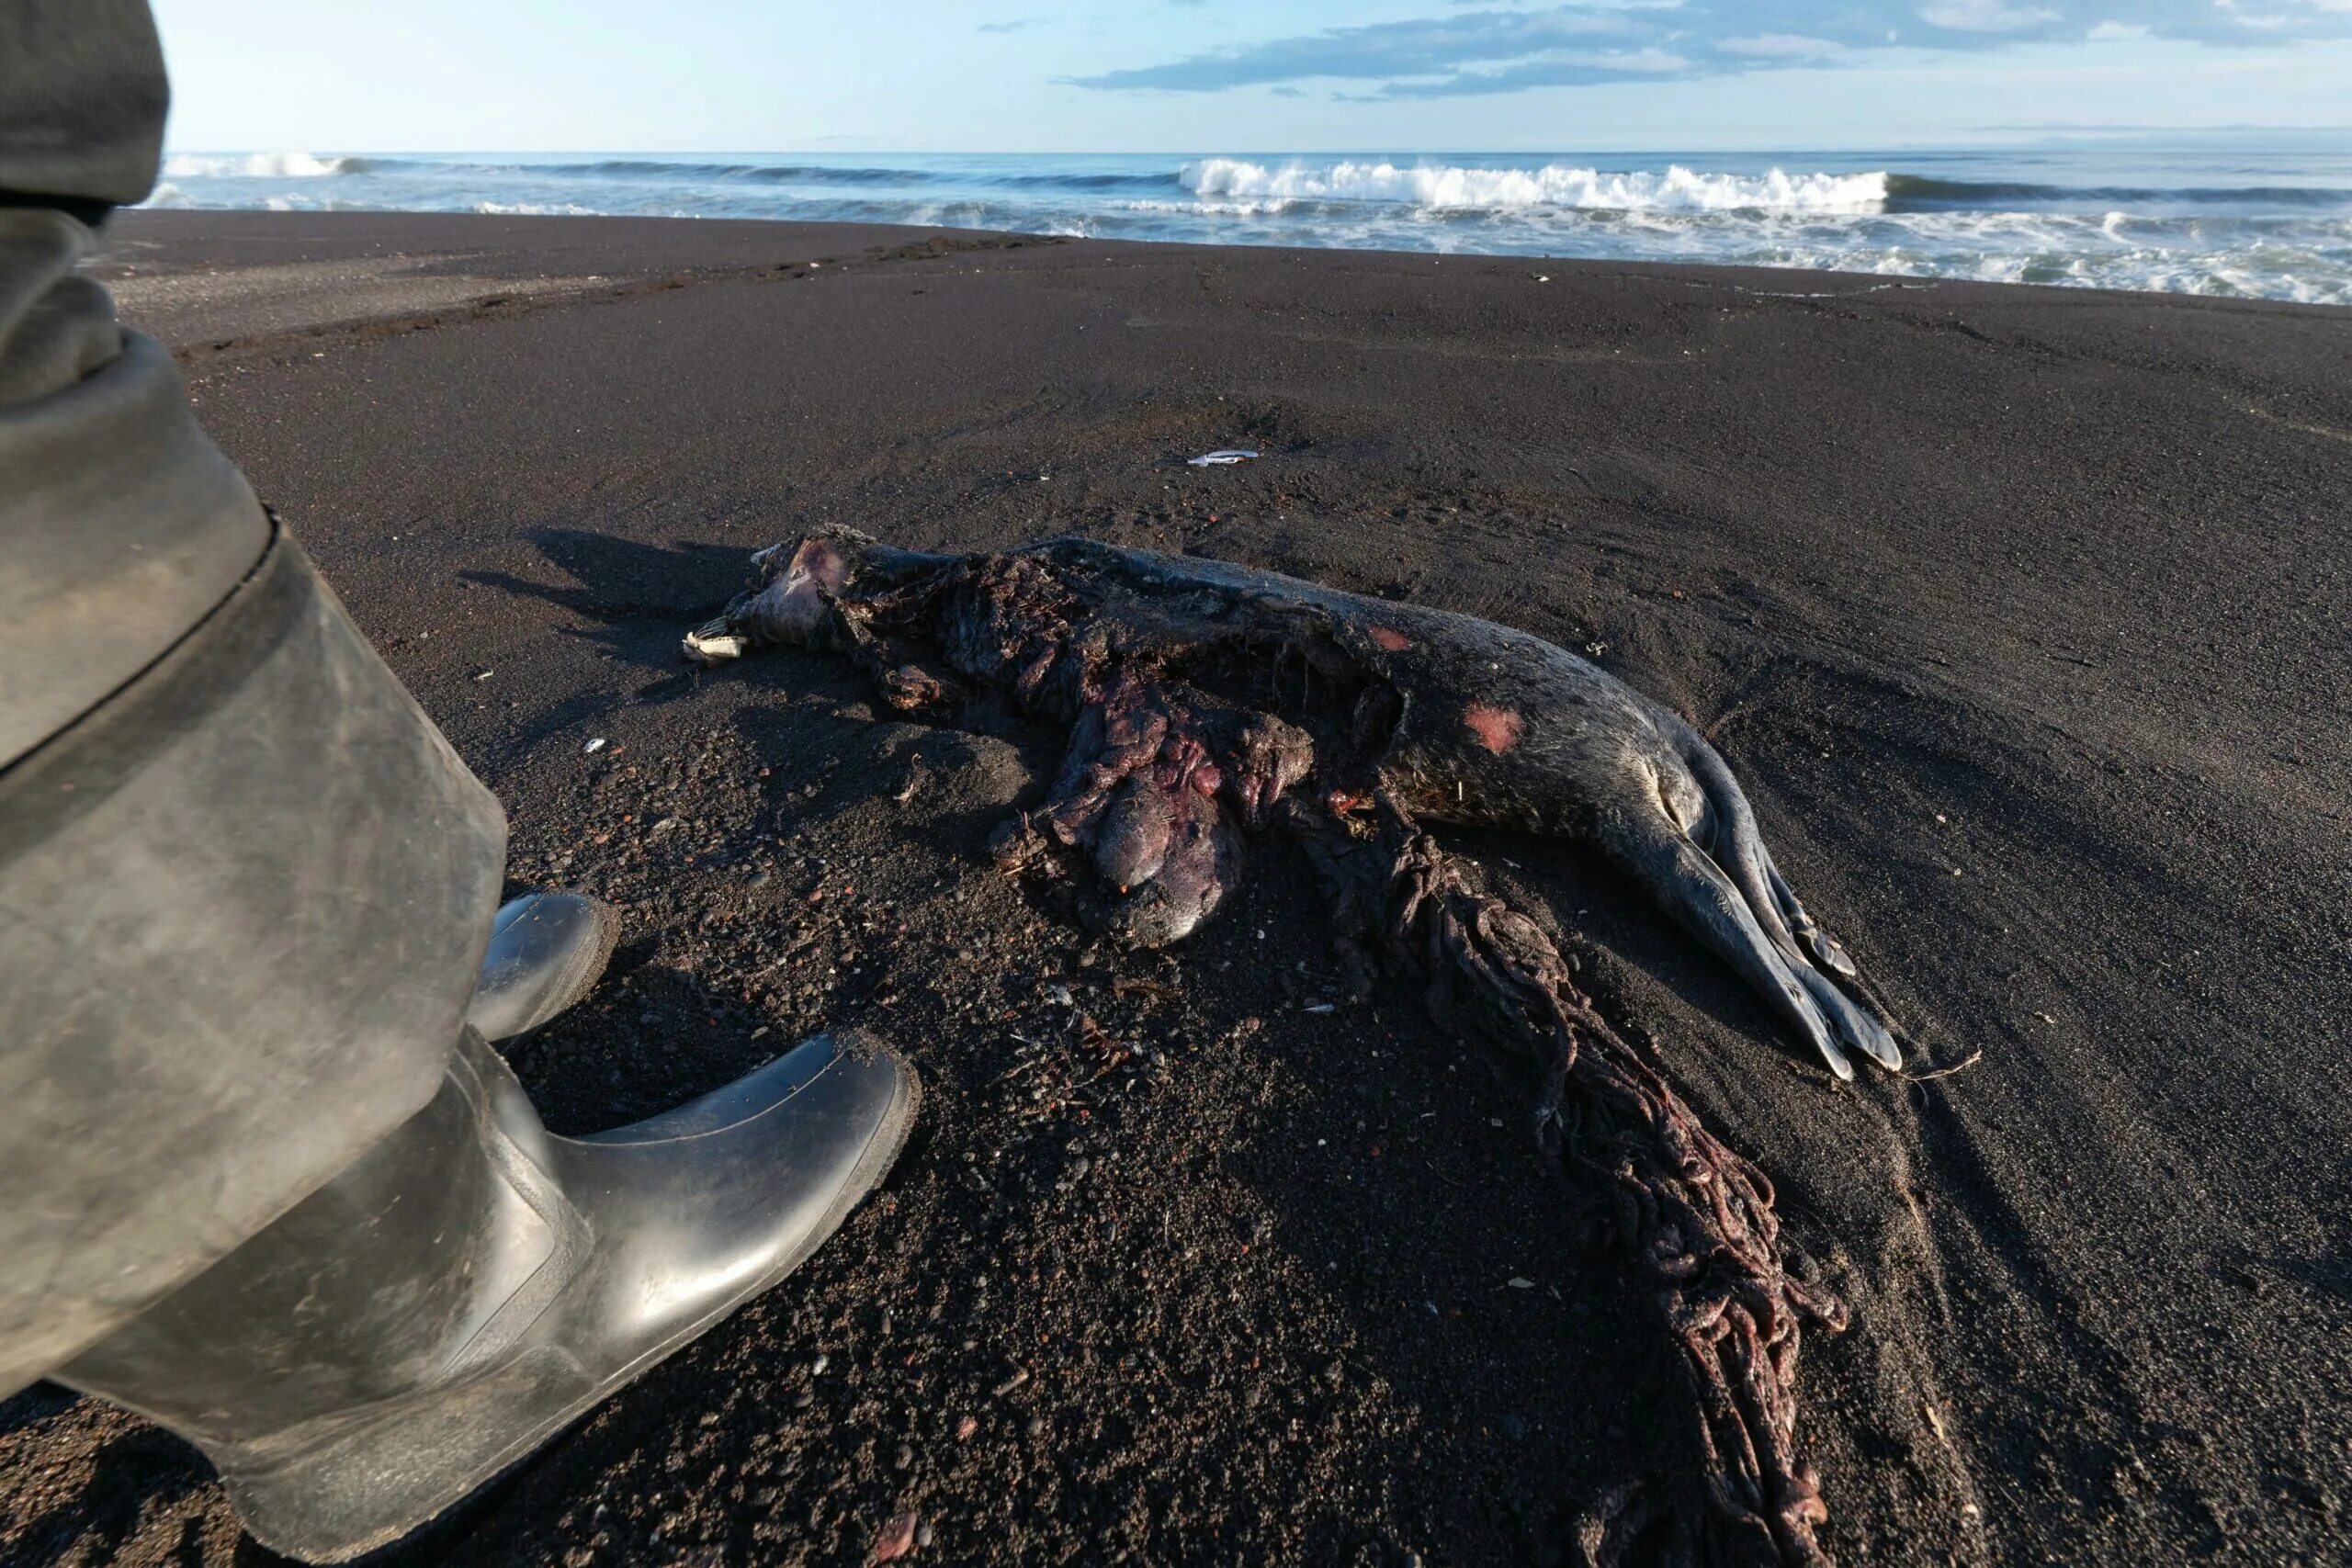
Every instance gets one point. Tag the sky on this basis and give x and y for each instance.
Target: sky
(1235, 76)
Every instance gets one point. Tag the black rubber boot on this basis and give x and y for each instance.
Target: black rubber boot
(546, 952)
(475, 1282)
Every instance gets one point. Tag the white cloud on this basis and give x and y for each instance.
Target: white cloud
(1558, 68)
(1511, 46)
(2280, 18)
(1984, 16)
(1782, 46)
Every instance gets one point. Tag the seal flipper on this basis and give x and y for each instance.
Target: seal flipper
(1695, 891)
(1740, 848)
(1825, 949)
(1856, 1024)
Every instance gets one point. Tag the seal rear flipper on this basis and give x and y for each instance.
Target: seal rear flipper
(1738, 847)
(1825, 949)
(1695, 891)
(1856, 1024)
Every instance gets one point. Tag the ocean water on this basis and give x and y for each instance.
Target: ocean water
(2226, 221)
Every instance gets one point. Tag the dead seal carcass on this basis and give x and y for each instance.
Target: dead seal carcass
(1203, 699)
(1460, 719)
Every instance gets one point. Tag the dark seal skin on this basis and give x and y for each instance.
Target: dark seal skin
(1180, 740)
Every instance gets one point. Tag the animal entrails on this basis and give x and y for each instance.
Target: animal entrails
(1201, 694)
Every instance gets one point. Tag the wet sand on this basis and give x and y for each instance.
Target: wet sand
(2022, 613)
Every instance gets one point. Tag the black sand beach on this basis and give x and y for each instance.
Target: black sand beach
(2024, 616)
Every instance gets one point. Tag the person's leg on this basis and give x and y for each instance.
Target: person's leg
(243, 881)
(258, 1177)
(243, 902)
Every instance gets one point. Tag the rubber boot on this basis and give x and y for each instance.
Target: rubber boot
(474, 1283)
(546, 952)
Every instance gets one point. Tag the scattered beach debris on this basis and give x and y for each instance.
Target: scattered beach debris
(595, 746)
(1222, 458)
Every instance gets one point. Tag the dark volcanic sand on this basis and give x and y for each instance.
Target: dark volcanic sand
(2022, 613)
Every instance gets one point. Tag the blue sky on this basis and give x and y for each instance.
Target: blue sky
(1204, 76)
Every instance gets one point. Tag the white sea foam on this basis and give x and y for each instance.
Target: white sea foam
(544, 209)
(258, 166)
(1554, 185)
(1205, 206)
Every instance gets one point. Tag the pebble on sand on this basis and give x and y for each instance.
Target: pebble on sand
(897, 1539)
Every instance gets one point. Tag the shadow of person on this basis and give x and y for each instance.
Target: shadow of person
(635, 597)
(628, 603)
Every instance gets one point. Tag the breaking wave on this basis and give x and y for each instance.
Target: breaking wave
(262, 167)
(2277, 224)
(1677, 189)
